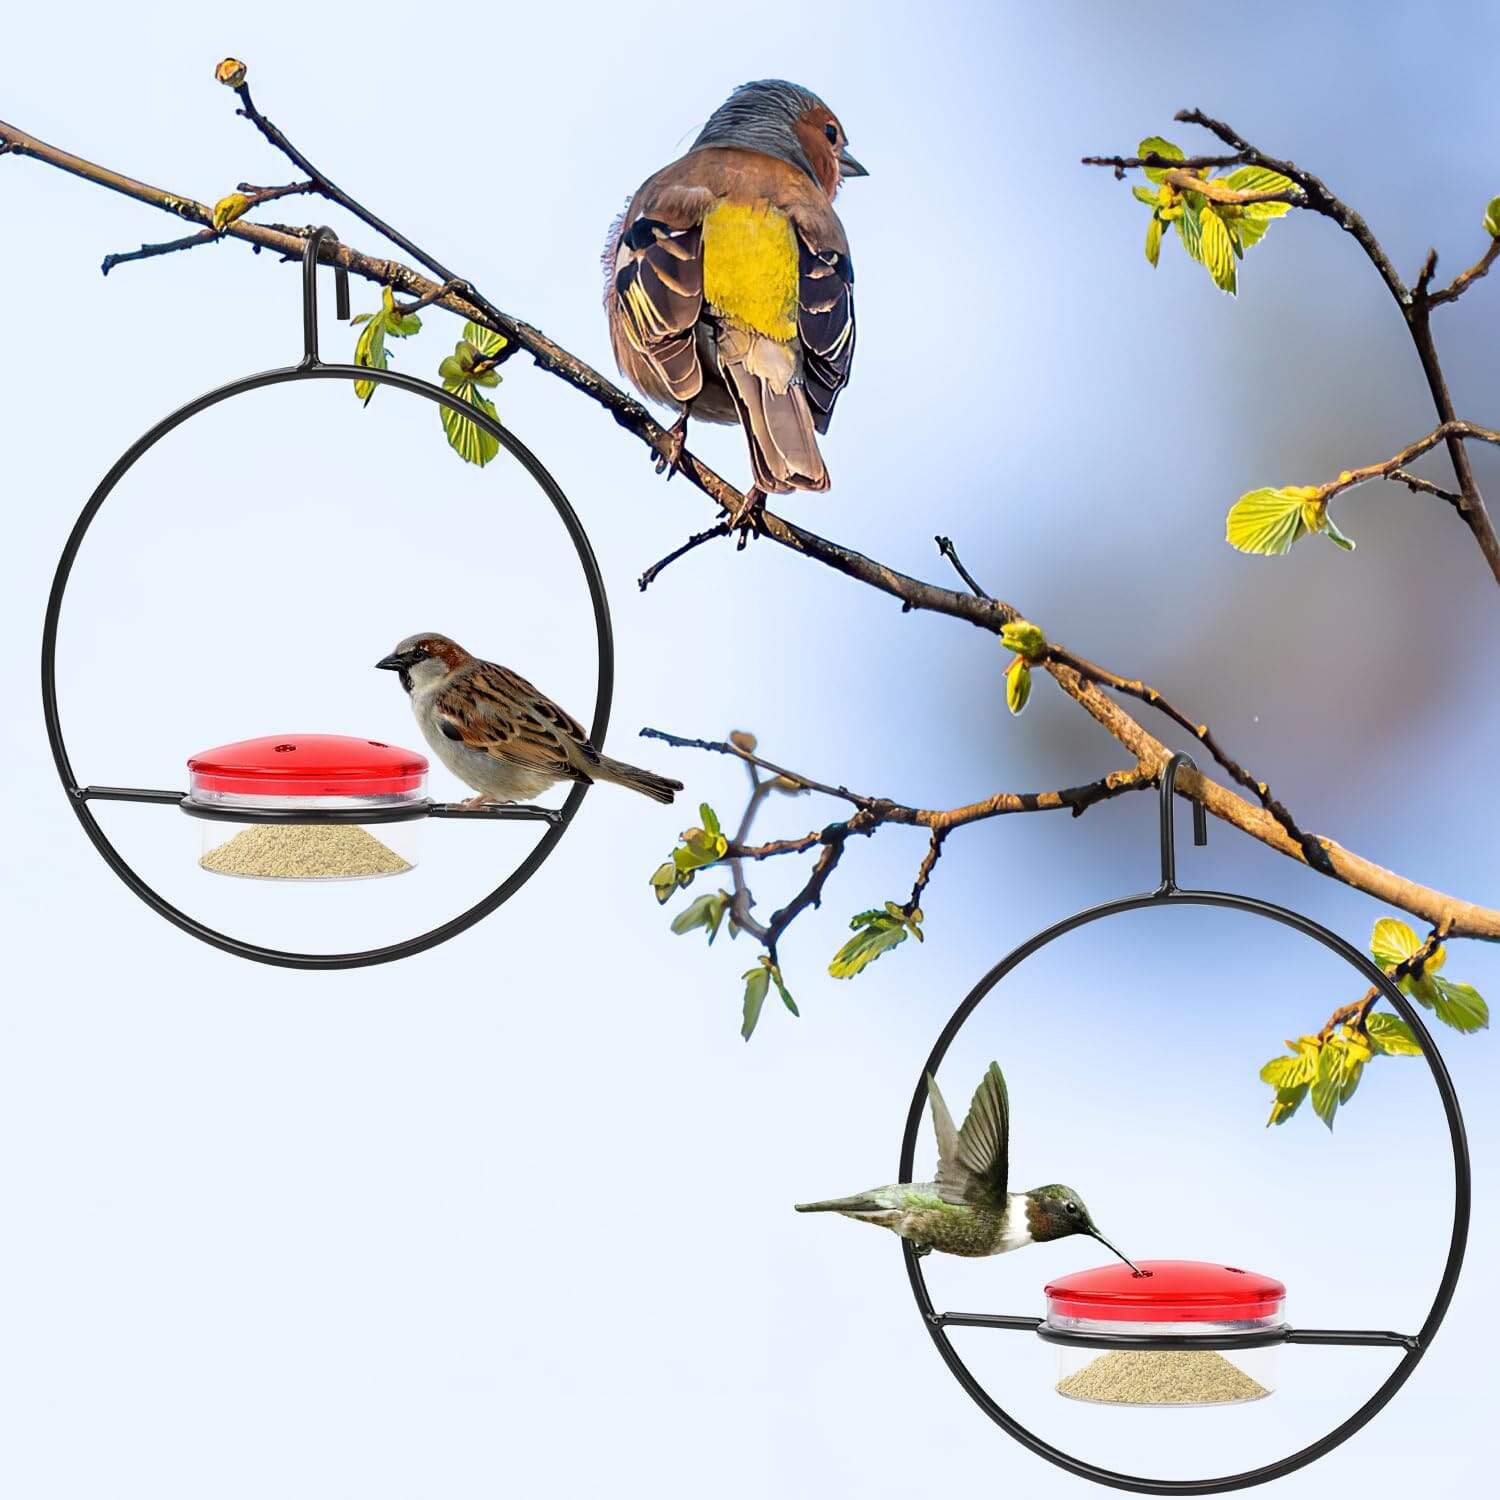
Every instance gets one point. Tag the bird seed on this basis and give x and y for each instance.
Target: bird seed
(304, 851)
(1162, 1377)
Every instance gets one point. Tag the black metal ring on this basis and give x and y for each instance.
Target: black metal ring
(1415, 1346)
(312, 368)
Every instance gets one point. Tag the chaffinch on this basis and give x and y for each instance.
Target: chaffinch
(730, 284)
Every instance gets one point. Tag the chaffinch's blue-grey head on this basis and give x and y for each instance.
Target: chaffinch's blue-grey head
(786, 121)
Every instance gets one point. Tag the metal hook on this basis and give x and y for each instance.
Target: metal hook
(1168, 839)
(310, 253)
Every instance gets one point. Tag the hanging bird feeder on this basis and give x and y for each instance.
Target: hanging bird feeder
(317, 807)
(308, 807)
(1183, 1333)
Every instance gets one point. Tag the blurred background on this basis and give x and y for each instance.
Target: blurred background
(515, 1215)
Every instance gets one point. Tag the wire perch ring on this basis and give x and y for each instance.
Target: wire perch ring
(80, 796)
(1414, 1345)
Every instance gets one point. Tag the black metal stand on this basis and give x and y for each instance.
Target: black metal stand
(1414, 1345)
(557, 820)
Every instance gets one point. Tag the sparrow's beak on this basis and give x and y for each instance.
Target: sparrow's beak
(848, 167)
(398, 662)
(1112, 1249)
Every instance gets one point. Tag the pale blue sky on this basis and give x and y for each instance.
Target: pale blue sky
(515, 1217)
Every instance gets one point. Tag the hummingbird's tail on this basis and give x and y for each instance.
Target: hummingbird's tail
(860, 1203)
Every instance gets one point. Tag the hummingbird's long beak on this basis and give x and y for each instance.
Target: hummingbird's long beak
(1112, 1248)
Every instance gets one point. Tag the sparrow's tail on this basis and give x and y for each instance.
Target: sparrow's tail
(773, 410)
(658, 788)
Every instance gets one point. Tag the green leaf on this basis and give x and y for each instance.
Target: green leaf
(710, 819)
(700, 847)
(1336, 536)
(1247, 231)
(1017, 685)
(467, 439)
(1145, 195)
(1260, 180)
(1155, 145)
(1392, 1036)
(781, 989)
(875, 932)
(1492, 218)
(664, 882)
(402, 325)
(369, 348)
(1301, 1067)
(1189, 233)
(369, 352)
(229, 208)
(757, 985)
(1218, 250)
(1153, 240)
(483, 339)
(1267, 522)
(1393, 942)
(706, 911)
(1460, 1006)
(1286, 1102)
(1340, 1065)
(1327, 1087)
(1022, 636)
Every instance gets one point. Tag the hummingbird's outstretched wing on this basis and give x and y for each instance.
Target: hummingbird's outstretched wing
(973, 1163)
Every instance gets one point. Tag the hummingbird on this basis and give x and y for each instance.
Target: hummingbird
(967, 1210)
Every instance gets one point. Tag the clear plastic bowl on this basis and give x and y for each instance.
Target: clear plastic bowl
(282, 775)
(1173, 1299)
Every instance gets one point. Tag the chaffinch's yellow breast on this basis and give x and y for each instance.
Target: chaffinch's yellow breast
(750, 267)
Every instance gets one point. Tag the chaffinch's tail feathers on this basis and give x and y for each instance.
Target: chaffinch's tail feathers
(759, 373)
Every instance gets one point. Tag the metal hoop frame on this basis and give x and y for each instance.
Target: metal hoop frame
(311, 367)
(1414, 1345)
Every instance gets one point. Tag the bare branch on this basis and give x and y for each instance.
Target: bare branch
(1416, 482)
(1465, 279)
(166, 247)
(1394, 466)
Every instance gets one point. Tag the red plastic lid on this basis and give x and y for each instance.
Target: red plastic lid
(1175, 1291)
(308, 765)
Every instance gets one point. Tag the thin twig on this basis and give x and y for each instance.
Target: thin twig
(946, 547)
(1465, 279)
(166, 247)
(1357, 1015)
(1391, 466)
(651, 574)
(1416, 482)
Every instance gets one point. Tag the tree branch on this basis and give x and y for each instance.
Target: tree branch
(1394, 467)
(1416, 305)
(1079, 679)
(1465, 279)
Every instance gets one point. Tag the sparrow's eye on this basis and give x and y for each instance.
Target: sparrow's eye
(832, 132)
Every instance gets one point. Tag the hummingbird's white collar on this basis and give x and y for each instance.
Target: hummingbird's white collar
(1015, 1229)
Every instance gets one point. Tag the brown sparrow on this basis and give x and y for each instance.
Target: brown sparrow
(496, 733)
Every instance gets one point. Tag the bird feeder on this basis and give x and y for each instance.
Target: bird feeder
(308, 807)
(322, 782)
(1179, 1333)
(1121, 1338)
